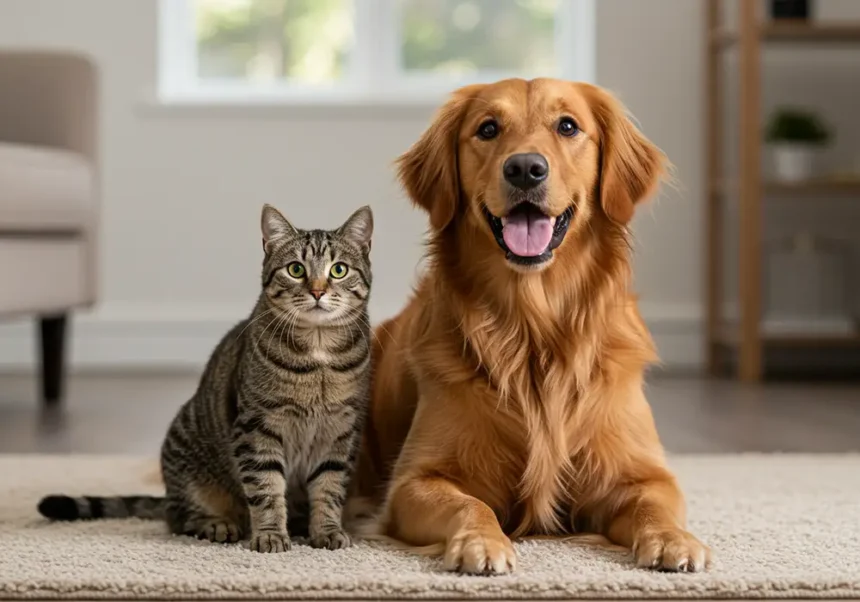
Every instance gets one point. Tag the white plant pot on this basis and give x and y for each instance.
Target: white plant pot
(794, 162)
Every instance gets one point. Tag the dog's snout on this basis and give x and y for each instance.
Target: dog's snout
(525, 170)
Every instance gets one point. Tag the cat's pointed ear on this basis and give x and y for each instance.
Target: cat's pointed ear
(359, 228)
(274, 226)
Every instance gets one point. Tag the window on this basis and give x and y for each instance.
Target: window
(365, 49)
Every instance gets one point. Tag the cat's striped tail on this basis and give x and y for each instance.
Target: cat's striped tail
(67, 508)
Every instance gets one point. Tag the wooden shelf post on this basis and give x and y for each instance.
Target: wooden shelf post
(713, 199)
(750, 285)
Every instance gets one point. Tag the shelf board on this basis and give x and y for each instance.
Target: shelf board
(818, 186)
(731, 338)
(800, 32)
(822, 187)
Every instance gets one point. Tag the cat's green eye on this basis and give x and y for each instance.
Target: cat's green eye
(338, 270)
(296, 270)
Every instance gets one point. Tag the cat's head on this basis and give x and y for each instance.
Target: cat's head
(317, 276)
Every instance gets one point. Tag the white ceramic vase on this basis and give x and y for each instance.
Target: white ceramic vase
(794, 162)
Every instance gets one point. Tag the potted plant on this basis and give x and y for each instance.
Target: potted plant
(795, 135)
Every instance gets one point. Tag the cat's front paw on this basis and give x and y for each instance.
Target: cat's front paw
(270, 542)
(331, 540)
(218, 531)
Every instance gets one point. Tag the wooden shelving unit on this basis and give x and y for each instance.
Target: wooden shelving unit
(748, 39)
(795, 33)
(829, 187)
(783, 341)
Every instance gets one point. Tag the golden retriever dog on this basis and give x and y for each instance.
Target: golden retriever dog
(508, 394)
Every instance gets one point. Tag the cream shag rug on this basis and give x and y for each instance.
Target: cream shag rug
(781, 527)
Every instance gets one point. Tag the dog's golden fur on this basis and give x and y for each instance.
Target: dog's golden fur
(506, 401)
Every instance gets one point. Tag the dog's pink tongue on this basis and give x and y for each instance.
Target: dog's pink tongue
(527, 234)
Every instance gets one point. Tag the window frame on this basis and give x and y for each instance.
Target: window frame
(374, 75)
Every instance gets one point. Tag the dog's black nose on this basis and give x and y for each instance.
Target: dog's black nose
(526, 170)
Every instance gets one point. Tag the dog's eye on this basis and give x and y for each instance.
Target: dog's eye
(488, 129)
(567, 127)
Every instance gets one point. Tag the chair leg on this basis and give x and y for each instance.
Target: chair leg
(53, 335)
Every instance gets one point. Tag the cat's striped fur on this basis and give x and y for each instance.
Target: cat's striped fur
(273, 428)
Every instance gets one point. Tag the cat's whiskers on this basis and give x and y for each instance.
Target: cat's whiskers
(360, 314)
(282, 318)
(287, 315)
(260, 336)
(270, 384)
(292, 327)
(278, 321)
(342, 321)
(357, 314)
(250, 322)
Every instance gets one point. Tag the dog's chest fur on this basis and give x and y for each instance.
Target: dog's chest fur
(531, 381)
(533, 390)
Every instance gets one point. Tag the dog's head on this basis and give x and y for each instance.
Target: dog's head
(530, 164)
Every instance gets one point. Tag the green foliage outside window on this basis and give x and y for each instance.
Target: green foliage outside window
(309, 41)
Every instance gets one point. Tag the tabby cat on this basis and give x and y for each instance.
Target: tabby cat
(273, 428)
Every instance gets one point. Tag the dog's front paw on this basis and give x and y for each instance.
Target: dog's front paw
(480, 553)
(673, 550)
(331, 540)
(270, 542)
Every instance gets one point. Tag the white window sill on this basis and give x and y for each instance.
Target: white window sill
(293, 106)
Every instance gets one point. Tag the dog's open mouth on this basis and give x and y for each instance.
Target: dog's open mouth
(527, 235)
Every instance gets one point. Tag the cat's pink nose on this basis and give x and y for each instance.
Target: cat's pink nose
(317, 294)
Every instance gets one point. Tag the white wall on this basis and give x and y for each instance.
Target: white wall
(183, 187)
(650, 54)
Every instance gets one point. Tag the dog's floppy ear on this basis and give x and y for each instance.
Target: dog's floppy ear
(428, 170)
(631, 166)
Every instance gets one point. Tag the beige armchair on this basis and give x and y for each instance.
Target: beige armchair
(49, 196)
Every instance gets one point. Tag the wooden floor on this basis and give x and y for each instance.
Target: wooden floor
(129, 414)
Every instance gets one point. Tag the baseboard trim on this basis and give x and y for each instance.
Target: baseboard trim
(176, 337)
